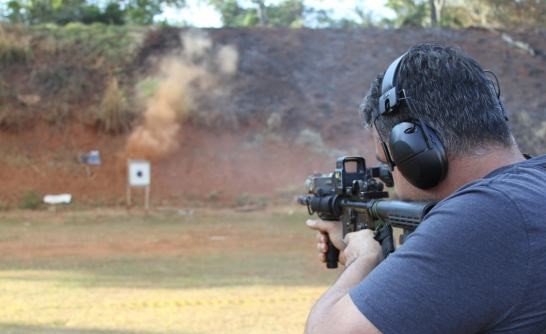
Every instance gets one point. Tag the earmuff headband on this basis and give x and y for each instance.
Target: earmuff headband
(389, 93)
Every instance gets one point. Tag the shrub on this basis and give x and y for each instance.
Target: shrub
(4, 206)
(14, 47)
(113, 115)
(147, 87)
(30, 200)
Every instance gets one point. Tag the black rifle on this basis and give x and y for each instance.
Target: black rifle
(352, 195)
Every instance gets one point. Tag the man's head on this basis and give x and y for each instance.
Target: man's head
(450, 93)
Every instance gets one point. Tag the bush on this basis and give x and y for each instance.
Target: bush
(14, 47)
(30, 200)
(148, 87)
(88, 45)
(4, 206)
(113, 115)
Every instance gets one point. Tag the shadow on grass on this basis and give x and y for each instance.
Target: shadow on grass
(13, 328)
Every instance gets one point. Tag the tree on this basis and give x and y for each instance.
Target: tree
(511, 14)
(262, 12)
(288, 13)
(465, 13)
(144, 11)
(233, 15)
(324, 19)
(65, 11)
(436, 11)
(409, 12)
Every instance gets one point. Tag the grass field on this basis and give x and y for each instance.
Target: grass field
(169, 271)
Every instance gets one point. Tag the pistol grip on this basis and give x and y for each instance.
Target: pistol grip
(385, 238)
(332, 255)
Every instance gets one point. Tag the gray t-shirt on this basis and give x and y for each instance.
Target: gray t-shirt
(476, 264)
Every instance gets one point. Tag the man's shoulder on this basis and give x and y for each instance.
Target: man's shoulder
(514, 192)
(494, 228)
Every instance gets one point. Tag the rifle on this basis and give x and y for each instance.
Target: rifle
(353, 195)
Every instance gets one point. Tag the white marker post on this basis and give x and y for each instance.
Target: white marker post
(139, 175)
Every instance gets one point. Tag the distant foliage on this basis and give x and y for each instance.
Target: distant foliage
(508, 13)
(466, 13)
(409, 12)
(62, 12)
(88, 44)
(148, 87)
(67, 70)
(113, 114)
(30, 200)
(14, 45)
(287, 13)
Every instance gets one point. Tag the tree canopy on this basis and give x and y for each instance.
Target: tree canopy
(465, 13)
(65, 11)
(287, 13)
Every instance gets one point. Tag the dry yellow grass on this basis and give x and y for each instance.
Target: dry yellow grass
(35, 300)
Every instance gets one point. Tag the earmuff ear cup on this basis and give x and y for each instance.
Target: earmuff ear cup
(419, 156)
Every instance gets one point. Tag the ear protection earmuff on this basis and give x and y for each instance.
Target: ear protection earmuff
(414, 148)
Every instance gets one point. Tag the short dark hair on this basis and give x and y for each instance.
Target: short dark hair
(450, 92)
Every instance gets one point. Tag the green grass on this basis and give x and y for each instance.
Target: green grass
(110, 271)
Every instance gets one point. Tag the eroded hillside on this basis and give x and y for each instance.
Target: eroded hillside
(226, 115)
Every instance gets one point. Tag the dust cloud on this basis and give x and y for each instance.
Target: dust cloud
(199, 67)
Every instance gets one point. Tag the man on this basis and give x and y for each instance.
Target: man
(477, 263)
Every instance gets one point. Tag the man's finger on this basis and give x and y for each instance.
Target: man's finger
(322, 247)
(319, 225)
(322, 237)
(322, 257)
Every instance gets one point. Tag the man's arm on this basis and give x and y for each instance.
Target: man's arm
(335, 312)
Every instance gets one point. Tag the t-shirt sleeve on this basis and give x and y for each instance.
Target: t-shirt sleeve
(459, 272)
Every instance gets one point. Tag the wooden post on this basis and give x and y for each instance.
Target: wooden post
(128, 195)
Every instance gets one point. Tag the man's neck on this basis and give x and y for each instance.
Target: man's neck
(463, 170)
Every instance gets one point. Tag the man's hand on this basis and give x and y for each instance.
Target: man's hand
(328, 230)
(362, 244)
(335, 311)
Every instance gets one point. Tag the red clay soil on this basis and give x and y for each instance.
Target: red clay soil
(219, 167)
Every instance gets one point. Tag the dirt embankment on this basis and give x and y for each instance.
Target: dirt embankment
(254, 111)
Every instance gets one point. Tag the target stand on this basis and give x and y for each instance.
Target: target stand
(139, 176)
